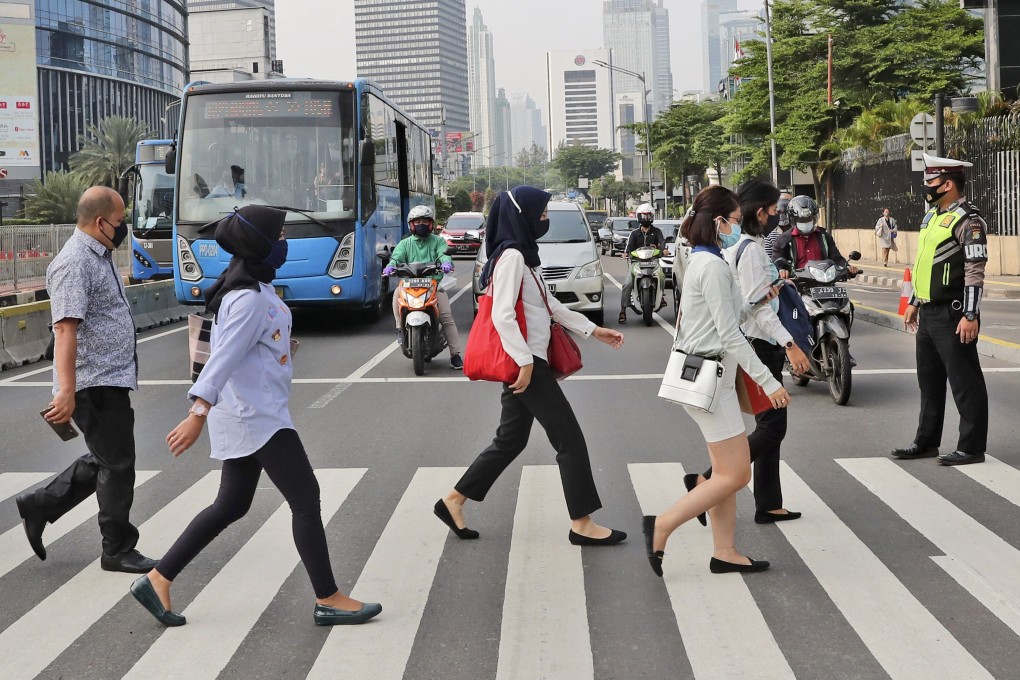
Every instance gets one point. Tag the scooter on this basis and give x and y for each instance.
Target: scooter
(649, 281)
(417, 301)
(831, 315)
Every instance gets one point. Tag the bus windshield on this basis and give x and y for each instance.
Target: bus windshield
(154, 199)
(294, 149)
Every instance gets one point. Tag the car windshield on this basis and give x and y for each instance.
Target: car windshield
(623, 225)
(464, 222)
(566, 226)
(290, 148)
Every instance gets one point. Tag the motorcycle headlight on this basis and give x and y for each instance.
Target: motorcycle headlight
(823, 275)
(590, 270)
(415, 302)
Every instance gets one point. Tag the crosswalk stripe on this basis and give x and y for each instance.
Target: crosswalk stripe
(16, 482)
(997, 476)
(398, 574)
(545, 573)
(992, 573)
(32, 642)
(899, 631)
(14, 548)
(240, 592)
(711, 610)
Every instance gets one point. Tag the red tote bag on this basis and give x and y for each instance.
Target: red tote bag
(564, 354)
(484, 356)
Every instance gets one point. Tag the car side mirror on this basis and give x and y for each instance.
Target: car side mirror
(854, 255)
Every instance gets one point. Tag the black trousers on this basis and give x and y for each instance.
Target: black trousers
(285, 461)
(543, 401)
(941, 357)
(107, 422)
(767, 439)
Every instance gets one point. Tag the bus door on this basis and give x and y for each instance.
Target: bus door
(405, 190)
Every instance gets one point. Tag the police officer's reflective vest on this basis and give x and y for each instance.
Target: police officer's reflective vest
(938, 272)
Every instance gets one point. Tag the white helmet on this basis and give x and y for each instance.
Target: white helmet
(645, 213)
(421, 212)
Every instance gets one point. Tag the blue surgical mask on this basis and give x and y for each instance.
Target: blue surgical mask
(729, 240)
(277, 254)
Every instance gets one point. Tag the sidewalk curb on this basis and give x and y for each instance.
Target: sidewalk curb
(896, 283)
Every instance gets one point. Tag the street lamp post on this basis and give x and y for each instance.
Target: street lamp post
(644, 113)
(772, 92)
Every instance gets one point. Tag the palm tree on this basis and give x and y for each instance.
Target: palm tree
(108, 149)
(55, 199)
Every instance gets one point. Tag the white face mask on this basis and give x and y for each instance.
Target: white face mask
(805, 227)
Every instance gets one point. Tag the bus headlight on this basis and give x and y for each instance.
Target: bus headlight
(190, 270)
(343, 261)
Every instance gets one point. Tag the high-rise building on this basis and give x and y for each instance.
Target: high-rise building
(711, 46)
(637, 31)
(269, 27)
(735, 29)
(580, 99)
(230, 45)
(417, 51)
(503, 144)
(526, 126)
(481, 84)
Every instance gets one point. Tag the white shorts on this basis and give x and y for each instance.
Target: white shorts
(726, 420)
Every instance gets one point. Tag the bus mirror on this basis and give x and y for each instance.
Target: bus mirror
(383, 252)
(170, 161)
(124, 185)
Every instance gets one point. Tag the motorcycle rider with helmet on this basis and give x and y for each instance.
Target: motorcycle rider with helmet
(806, 240)
(423, 245)
(645, 235)
(782, 209)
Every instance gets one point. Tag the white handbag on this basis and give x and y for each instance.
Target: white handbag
(692, 380)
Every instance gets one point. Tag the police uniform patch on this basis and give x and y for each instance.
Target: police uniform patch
(276, 335)
(947, 220)
(273, 312)
(976, 234)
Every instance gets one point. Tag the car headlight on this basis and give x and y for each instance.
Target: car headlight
(590, 270)
(415, 302)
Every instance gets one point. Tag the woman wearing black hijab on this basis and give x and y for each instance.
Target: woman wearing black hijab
(516, 221)
(244, 393)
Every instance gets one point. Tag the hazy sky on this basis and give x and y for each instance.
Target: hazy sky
(315, 38)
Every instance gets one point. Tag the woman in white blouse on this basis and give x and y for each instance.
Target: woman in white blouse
(516, 221)
(712, 308)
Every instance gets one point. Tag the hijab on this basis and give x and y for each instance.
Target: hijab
(247, 234)
(514, 222)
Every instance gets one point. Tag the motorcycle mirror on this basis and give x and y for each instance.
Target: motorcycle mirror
(854, 255)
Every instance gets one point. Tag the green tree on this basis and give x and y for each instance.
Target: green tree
(55, 198)
(490, 196)
(443, 210)
(477, 201)
(572, 162)
(107, 150)
(461, 201)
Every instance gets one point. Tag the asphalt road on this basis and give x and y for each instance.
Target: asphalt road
(896, 570)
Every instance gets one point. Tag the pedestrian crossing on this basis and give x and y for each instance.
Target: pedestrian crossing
(544, 620)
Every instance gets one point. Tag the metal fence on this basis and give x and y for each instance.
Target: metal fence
(869, 181)
(26, 251)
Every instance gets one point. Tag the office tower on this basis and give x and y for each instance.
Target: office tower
(637, 31)
(417, 51)
(735, 30)
(232, 44)
(481, 87)
(580, 99)
(269, 17)
(525, 124)
(712, 44)
(503, 145)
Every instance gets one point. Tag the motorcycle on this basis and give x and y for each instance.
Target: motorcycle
(649, 281)
(417, 301)
(831, 315)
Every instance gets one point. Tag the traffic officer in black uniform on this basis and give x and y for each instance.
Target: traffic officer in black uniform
(944, 311)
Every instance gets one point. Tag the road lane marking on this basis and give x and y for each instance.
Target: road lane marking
(670, 328)
(324, 400)
(14, 548)
(977, 554)
(399, 574)
(226, 610)
(15, 482)
(898, 630)
(32, 642)
(544, 573)
(709, 608)
(996, 476)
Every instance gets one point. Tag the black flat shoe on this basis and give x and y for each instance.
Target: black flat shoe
(717, 566)
(612, 539)
(954, 458)
(691, 481)
(914, 451)
(129, 562)
(654, 556)
(443, 513)
(33, 523)
(146, 595)
(766, 517)
(328, 616)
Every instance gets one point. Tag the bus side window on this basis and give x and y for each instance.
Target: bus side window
(366, 159)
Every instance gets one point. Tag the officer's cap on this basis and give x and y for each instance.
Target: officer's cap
(935, 166)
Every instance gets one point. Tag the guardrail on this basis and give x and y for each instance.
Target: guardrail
(26, 251)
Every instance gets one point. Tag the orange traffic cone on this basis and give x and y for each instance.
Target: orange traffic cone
(908, 291)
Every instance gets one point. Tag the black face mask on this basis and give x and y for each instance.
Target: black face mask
(120, 232)
(543, 228)
(932, 195)
(771, 223)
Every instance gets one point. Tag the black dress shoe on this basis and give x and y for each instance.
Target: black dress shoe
(613, 538)
(724, 567)
(961, 458)
(914, 451)
(654, 556)
(146, 595)
(691, 481)
(33, 523)
(328, 616)
(766, 517)
(129, 562)
(443, 513)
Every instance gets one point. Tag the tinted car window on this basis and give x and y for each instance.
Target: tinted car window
(668, 228)
(566, 226)
(464, 222)
(624, 225)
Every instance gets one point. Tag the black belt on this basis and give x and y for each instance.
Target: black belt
(957, 305)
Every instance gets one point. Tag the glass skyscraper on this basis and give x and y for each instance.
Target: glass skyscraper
(637, 31)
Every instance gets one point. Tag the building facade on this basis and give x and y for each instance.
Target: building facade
(503, 145)
(526, 126)
(735, 30)
(481, 84)
(231, 45)
(417, 51)
(581, 110)
(711, 46)
(637, 31)
(268, 5)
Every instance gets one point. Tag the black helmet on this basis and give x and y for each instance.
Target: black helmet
(803, 213)
(781, 210)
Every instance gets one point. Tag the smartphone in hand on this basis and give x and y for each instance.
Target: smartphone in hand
(65, 431)
(768, 289)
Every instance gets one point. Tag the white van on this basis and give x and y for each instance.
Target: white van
(570, 262)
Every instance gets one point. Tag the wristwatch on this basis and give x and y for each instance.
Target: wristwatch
(970, 316)
(789, 345)
(199, 410)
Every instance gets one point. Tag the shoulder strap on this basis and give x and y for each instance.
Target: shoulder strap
(740, 251)
(541, 289)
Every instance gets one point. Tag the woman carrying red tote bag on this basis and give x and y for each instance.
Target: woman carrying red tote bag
(564, 354)
(484, 356)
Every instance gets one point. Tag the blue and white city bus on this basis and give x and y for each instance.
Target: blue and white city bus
(345, 162)
(151, 211)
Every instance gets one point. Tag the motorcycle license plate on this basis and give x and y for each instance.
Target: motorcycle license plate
(829, 293)
(418, 283)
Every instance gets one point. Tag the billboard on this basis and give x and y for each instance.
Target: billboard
(456, 142)
(19, 103)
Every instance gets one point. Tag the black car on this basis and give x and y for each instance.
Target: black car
(614, 234)
(596, 218)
